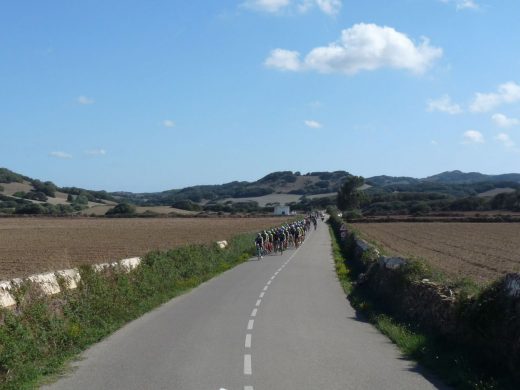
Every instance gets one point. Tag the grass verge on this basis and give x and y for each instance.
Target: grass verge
(456, 365)
(44, 333)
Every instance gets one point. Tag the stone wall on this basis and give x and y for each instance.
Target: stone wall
(489, 321)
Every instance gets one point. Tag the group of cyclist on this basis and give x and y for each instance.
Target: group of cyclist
(281, 238)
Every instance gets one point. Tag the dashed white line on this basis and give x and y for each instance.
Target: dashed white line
(253, 313)
(248, 340)
(258, 302)
(269, 282)
(250, 324)
(248, 388)
(265, 288)
(262, 294)
(247, 365)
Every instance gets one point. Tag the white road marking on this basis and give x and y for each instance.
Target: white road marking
(247, 365)
(265, 288)
(262, 294)
(248, 340)
(253, 313)
(250, 324)
(269, 282)
(248, 388)
(258, 302)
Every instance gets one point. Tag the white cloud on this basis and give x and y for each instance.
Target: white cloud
(503, 121)
(506, 140)
(168, 123)
(96, 152)
(463, 4)
(283, 60)
(272, 6)
(85, 100)
(329, 7)
(313, 124)
(473, 137)
(361, 47)
(61, 155)
(444, 104)
(507, 93)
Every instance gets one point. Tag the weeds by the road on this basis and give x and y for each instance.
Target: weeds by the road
(455, 365)
(44, 333)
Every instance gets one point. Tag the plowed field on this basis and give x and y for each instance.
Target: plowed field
(482, 251)
(31, 245)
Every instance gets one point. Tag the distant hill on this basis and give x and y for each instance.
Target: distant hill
(384, 180)
(19, 193)
(282, 182)
(458, 177)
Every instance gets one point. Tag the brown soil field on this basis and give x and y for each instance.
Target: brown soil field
(481, 251)
(32, 245)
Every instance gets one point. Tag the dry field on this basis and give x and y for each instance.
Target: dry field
(481, 251)
(31, 245)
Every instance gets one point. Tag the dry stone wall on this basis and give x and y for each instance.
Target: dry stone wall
(489, 321)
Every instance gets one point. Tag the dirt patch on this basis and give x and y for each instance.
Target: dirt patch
(11, 188)
(481, 251)
(31, 245)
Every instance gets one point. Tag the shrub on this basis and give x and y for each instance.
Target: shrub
(36, 195)
(121, 210)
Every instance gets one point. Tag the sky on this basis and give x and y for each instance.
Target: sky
(147, 96)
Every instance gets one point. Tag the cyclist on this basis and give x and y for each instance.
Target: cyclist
(259, 243)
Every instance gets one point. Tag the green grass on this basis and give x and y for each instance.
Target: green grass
(456, 365)
(45, 333)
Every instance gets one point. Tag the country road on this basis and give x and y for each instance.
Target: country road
(282, 323)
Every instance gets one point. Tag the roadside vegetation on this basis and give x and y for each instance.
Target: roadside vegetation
(43, 333)
(458, 365)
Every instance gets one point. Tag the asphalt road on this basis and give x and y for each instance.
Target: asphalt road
(281, 323)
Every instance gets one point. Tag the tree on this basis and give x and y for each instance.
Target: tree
(122, 209)
(349, 195)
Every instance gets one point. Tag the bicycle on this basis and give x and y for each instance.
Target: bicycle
(259, 251)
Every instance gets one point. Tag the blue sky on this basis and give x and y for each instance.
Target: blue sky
(152, 95)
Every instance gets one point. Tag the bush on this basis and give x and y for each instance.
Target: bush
(186, 205)
(121, 210)
(36, 195)
(33, 208)
(48, 188)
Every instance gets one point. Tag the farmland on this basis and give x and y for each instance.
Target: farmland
(480, 251)
(31, 245)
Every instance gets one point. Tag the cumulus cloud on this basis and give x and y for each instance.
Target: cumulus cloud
(85, 100)
(96, 152)
(463, 4)
(61, 155)
(444, 104)
(506, 140)
(473, 137)
(503, 121)
(361, 47)
(329, 7)
(283, 60)
(507, 93)
(168, 123)
(313, 124)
